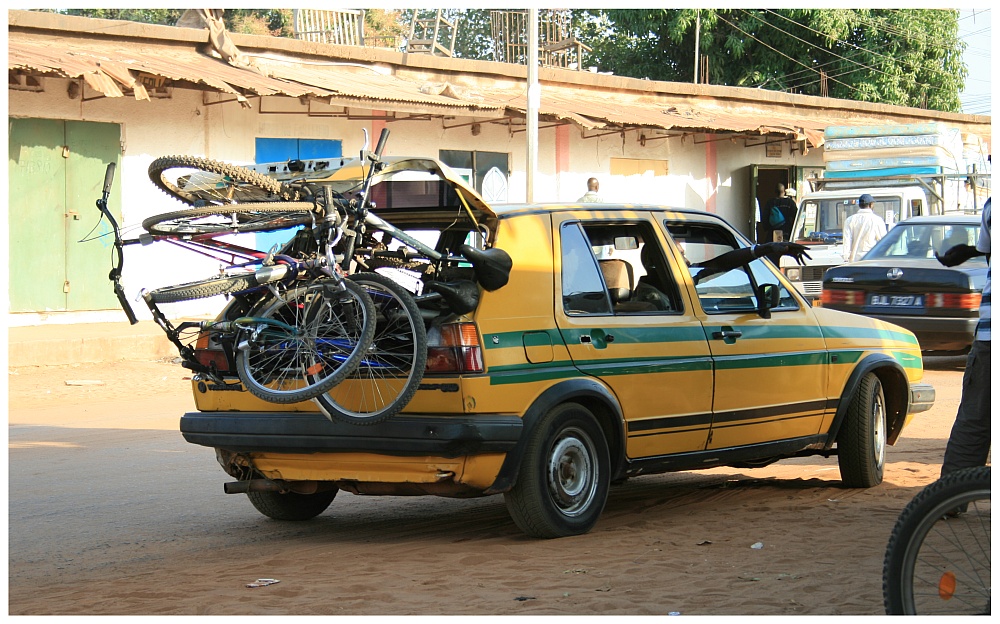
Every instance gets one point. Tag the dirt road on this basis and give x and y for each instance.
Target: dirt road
(111, 512)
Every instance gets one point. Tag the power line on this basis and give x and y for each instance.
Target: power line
(775, 49)
(827, 49)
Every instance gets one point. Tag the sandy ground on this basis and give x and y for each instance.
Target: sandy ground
(677, 543)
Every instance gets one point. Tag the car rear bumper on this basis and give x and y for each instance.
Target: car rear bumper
(921, 398)
(311, 432)
(935, 333)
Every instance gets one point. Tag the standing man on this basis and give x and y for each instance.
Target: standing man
(591, 196)
(969, 442)
(862, 230)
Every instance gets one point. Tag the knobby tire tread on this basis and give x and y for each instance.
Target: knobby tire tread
(202, 289)
(237, 173)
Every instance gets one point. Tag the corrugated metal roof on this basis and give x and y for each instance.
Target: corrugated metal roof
(114, 65)
(111, 67)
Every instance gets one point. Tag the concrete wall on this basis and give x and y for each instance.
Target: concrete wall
(703, 174)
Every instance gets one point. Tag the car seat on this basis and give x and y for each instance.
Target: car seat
(618, 276)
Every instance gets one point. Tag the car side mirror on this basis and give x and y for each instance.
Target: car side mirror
(768, 296)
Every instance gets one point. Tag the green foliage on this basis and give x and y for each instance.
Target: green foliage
(907, 57)
(166, 17)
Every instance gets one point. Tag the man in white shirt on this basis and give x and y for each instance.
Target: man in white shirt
(862, 230)
(591, 196)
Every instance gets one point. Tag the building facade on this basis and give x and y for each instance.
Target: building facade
(86, 92)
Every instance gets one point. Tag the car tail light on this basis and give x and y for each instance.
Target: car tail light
(842, 297)
(958, 301)
(207, 356)
(454, 348)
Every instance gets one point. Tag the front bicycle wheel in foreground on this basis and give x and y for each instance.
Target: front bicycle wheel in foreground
(938, 558)
(303, 342)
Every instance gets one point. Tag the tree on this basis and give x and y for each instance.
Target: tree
(907, 57)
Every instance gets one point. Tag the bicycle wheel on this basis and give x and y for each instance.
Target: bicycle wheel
(230, 218)
(195, 180)
(392, 368)
(303, 342)
(201, 289)
(938, 557)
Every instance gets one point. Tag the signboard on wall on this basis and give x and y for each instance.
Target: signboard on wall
(773, 150)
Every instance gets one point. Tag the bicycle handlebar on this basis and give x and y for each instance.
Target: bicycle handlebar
(116, 271)
(109, 177)
(381, 143)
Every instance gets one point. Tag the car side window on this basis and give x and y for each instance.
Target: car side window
(634, 268)
(730, 291)
(582, 287)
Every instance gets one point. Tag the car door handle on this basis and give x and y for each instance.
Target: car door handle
(727, 334)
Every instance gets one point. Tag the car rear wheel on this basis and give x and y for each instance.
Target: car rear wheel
(563, 481)
(861, 439)
(291, 506)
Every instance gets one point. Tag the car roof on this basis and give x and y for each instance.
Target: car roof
(505, 211)
(963, 219)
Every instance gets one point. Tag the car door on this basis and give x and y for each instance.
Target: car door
(771, 370)
(651, 349)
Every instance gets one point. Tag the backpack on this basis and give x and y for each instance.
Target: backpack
(777, 218)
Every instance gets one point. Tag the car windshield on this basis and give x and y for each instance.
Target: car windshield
(922, 240)
(823, 220)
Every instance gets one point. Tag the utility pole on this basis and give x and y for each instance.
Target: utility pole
(534, 103)
(697, 39)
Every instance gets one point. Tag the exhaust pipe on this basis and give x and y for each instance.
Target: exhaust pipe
(253, 485)
(269, 485)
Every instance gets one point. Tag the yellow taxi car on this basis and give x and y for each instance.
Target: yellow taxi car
(604, 357)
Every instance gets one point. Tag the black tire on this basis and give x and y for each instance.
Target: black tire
(937, 561)
(563, 481)
(201, 289)
(393, 367)
(291, 506)
(862, 437)
(230, 218)
(316, 337)
(194, 180)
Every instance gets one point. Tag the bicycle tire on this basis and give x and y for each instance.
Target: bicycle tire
(211, 287)
(392, 369)
(230, 218)
(194, 180)
(938, 562)
(331, 329)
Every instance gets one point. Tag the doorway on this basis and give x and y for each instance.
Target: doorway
(764, 179)
(60, 248)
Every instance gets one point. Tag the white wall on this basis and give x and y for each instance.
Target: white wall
(184, 124)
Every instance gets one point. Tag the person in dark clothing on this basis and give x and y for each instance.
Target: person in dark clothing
(970, 438)
(786, 208)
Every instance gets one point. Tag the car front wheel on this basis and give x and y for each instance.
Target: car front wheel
(563, 482)
(861, 439)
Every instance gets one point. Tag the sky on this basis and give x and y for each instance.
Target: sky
(974, 27)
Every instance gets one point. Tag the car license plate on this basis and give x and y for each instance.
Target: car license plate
(896, 301)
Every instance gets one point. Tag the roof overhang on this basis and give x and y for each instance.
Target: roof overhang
(117, 59)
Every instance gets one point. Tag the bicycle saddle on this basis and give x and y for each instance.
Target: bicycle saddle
(461, 296)
(492, 266)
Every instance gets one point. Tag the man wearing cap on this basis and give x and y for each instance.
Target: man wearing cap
(862, 230)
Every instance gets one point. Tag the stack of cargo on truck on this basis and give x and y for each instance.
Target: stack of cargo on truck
(910, 170)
